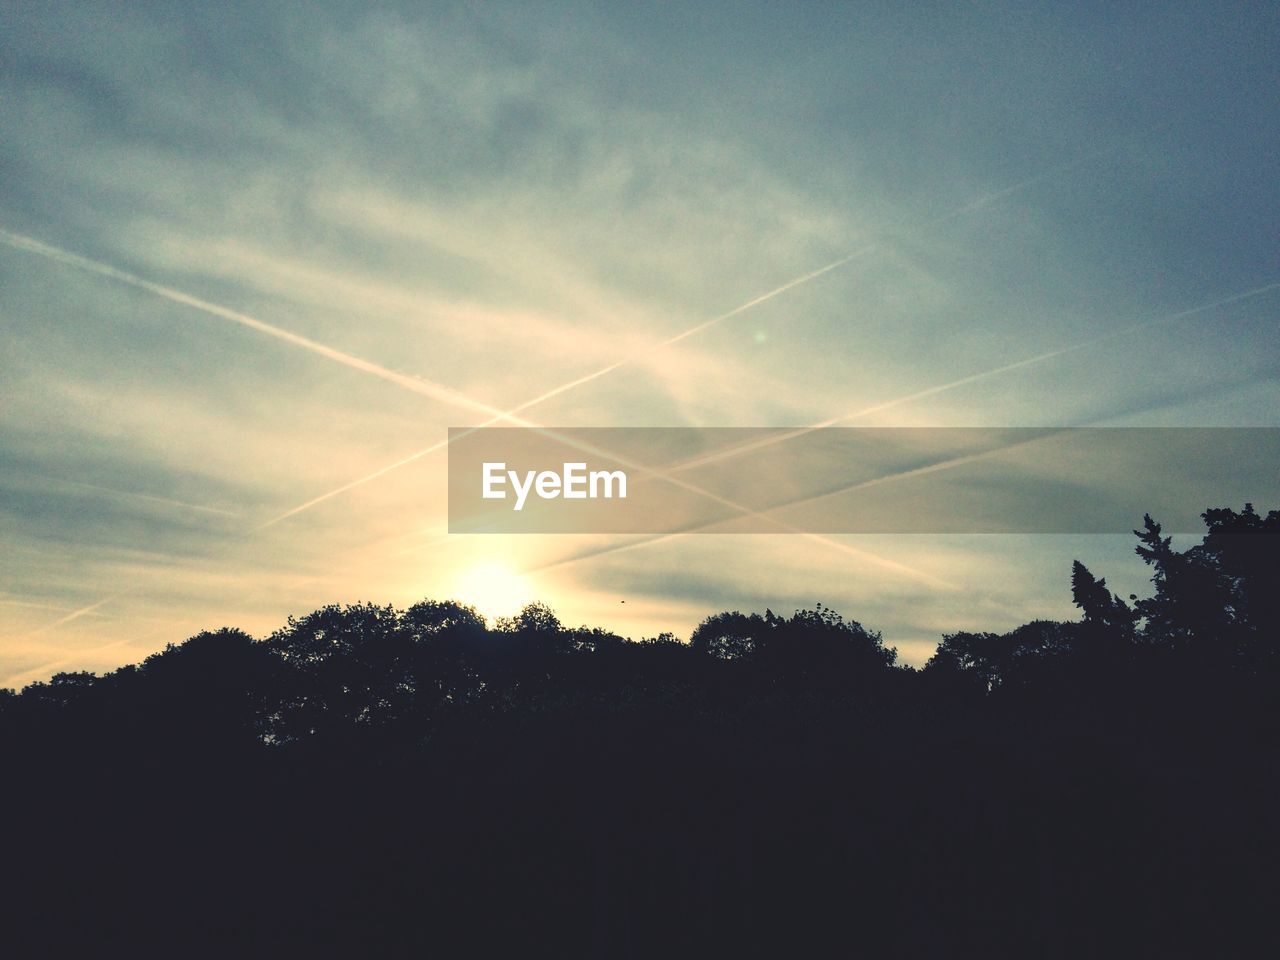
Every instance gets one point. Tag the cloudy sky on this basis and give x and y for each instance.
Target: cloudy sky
(255, 260)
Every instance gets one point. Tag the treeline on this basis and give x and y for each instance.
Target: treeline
(370, 781)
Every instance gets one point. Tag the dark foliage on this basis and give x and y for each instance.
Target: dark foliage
(375, 782)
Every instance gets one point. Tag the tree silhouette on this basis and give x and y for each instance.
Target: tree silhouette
(1101, 607)
(1221, 595)
(381, 782)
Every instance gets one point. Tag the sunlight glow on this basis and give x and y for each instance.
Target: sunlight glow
(493, 588)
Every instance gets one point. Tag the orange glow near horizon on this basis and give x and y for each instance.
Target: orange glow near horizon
(493, 588)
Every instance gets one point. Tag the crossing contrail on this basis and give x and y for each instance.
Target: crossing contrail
(555, 392)
(772, 439)
(433, 390)
(497, 417)
(970, 207)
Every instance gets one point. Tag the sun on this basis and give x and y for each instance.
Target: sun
(493, 588)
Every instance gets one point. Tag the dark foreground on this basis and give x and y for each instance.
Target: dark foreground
(372, 782)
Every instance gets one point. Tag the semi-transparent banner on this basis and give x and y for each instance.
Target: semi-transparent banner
(854, 479)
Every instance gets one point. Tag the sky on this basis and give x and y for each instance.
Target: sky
(256, 260)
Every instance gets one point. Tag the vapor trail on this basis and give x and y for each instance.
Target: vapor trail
(427, 388)
(765, 297)
(927, 392)
(75, 615)
(864, 555)
(17, 680)
(925, 470)
(143, 497)
(782, 526)
(358, 482)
